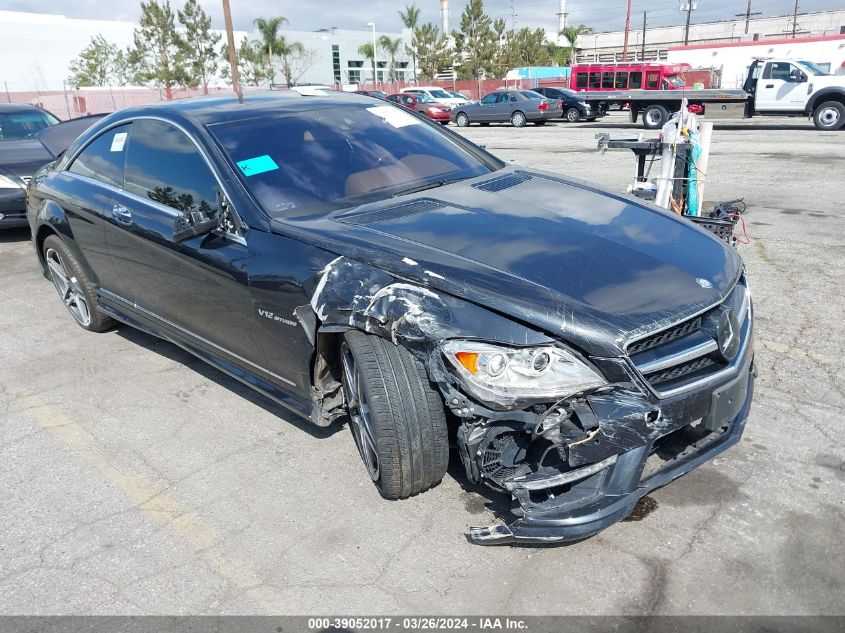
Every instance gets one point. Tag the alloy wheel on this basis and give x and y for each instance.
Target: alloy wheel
(359, 413)
(68, 288)
(462, 120)
(518, 119)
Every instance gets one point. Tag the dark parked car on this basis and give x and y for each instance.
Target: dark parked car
(575, 108)
(373, 93)
(423, 104)
(516, 107)
(21, 154)
(356, 262)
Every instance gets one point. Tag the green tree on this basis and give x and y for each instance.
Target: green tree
(572, 33)
(252, 63)
(391, 47)
(433, 54)
(199, 44)
(269, 44)
(95, 64)
(529, 48)
(368, 51)
(295, 58)
(501, 60)
(157, 49)
(474, 43)
(410, 18)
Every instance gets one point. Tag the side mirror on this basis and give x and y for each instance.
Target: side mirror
(797, 76)
(194, 223)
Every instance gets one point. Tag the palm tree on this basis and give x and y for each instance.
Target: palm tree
(270, 44)
(391, 47)
(410, 18)
(572, 33)
(367, 51)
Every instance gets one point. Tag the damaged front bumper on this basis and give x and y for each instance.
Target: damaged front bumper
(630, 454)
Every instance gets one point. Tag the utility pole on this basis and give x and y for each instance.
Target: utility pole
(689, 7)
(748, 13)
(233, 55)
(642, 52)
(627, 30)
(513, 28)
(795, 20)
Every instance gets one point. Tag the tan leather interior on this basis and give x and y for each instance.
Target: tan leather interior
(408, 169)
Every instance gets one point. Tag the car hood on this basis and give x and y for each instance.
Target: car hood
(595, 268)
(23, 158)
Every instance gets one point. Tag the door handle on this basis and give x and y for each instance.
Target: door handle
(121, 215)
(770, 85)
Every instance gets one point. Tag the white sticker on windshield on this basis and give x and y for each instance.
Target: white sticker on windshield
(118, 142)
(394, 116)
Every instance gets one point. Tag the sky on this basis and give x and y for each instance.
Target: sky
(306, 15)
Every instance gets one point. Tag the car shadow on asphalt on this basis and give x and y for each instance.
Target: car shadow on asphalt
(14, 235)
(176, 354)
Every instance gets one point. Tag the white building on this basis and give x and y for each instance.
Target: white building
(607, 46)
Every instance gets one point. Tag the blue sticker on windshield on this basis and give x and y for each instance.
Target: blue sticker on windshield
(257, 165)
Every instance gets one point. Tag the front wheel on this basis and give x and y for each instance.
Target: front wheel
(462, 119)
(518, 119)
(75, 289)
(829, 116)
(396, 417)
(572, 115)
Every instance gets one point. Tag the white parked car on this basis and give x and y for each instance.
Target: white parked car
(438, 94)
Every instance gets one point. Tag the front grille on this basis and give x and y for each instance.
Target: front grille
(679, 371)
(687, 353)
(666, 336)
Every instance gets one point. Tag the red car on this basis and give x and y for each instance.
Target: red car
(423, 104)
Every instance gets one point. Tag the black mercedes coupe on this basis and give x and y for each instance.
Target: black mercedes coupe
(360, 264)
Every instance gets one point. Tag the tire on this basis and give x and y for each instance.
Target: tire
(654, 117)
(518, 119)
(74, 288)
(829, 116)
(572, 115)
(462, 119)
(403, 426)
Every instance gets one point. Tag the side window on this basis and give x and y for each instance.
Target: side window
(595, 80)
(607, 80)
(409, 100)
(162, 164)
(777, 70)
(491, 98)
(512, 98)
(636, 81)
(104, 158)
(581, 80)
(652, 81)
(622, 80)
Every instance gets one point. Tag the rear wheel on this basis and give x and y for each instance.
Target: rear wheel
(396, 417)
(830, 115)
(572, 115)
(518, 119)
(462, 119)
(655, 116)
(74, 288)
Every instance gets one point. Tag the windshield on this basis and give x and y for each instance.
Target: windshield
(15, 126)
(458, 95)
(675, 81)
(439, 94)
(813, 68)
(330, 158)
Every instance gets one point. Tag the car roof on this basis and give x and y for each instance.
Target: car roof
(6, 108)
(209, 110)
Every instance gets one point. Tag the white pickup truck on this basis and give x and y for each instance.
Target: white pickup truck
(781, 87)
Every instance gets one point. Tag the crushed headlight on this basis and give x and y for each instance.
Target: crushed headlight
(498, 375)
(9, 183)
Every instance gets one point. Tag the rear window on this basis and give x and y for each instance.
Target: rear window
(329, 158)
(15, 126)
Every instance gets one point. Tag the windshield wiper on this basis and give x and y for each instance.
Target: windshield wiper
(428, 185)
